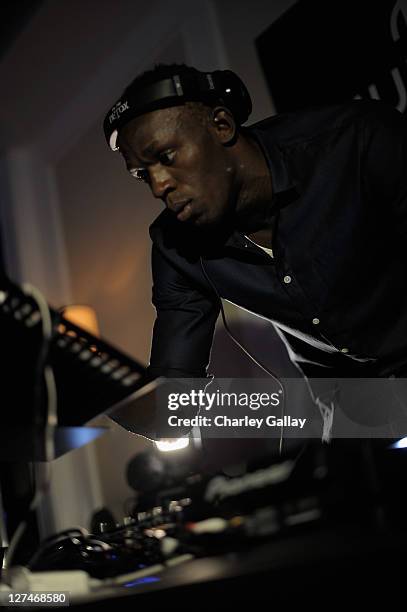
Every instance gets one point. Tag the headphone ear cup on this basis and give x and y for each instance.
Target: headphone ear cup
(234, 93)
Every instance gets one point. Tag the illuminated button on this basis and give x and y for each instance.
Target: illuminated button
(75, 347)
(33, 319)
(109, 366)
(287, 279)
(344, 350)
(26, 309)
(118, 374)
(96, 361)
(315, 321)
(130, 380)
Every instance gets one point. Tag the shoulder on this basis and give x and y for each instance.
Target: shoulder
(287, 128)
(381, 117)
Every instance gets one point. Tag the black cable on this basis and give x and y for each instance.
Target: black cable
(247, 352)
(44, 381)
(62, 536)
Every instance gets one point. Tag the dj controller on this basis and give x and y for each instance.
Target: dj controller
(302, 517)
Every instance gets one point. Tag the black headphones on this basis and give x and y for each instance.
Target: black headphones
(222, 86)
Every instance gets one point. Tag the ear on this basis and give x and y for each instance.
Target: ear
(224, 125)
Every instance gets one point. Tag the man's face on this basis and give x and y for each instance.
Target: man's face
(180, 155)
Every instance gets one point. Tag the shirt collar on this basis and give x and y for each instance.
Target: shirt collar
(284, 184)
(282, 180)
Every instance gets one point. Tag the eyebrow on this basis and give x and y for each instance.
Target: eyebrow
(131, 168)
(148, 151)
(129, 164)
(151, 148)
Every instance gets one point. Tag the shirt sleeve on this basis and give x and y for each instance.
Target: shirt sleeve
(185, 323)
(384, 162)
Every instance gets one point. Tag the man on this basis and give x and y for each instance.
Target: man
(300, 218)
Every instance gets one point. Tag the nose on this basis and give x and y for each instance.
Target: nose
(161, 182)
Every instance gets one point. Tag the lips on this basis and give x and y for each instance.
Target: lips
(182, 209)
(176, 207)
(186, 212)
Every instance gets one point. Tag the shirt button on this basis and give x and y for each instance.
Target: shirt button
(315, 321)
(344, 350)
(287, 279)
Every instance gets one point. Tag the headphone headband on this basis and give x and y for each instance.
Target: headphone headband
(222, 85)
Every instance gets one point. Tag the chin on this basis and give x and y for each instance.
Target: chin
(204, 223)
(211, 220)
(200, 221)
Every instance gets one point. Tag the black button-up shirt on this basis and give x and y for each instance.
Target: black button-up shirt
(336, 290)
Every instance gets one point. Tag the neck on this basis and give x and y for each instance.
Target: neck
(253, 210)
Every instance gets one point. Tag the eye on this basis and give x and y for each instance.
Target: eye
(167, 157)
(141, 174)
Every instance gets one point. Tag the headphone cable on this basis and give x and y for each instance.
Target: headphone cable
(248, 353)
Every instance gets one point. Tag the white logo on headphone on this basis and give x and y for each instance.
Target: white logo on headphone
(117, 110)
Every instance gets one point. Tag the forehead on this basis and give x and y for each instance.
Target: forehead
(158, 126)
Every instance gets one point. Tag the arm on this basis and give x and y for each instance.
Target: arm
(185, 323)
